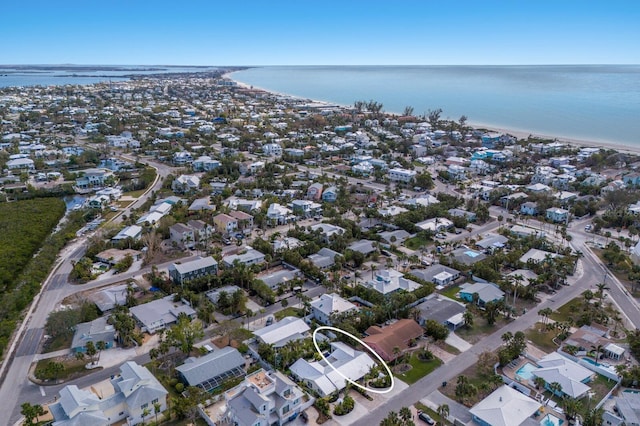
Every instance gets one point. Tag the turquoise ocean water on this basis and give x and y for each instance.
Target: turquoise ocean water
(591, 102)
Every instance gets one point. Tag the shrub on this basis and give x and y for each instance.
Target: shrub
(179, 387)
(345, 407)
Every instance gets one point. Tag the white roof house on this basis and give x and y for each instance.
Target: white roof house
(387, 281)
(319, 375)
(504, 407)
(283, 331)
(330, 304)
(536, 255)
(160, 313)
(571, 375)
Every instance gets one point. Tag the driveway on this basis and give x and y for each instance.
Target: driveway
(458, 342)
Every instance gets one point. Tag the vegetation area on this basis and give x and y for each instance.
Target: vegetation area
(61, 325)
(26, 282)
(62, 369)
(420, 367)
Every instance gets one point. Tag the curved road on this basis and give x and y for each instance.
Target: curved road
(16, 388)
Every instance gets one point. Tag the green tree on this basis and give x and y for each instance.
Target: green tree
(90, 349)
(29, 412)
(443, 412)
(185, 334)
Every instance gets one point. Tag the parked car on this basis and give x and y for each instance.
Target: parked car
(269, 321)
(426, 418)
(226, 242)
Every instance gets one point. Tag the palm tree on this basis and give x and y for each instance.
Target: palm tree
(597, 350)
(555, 388)
(539, 382)
(157, 407)
(396, 353)
(405, 414)
(468, 318)
(601, 288)
(443, 412)
(145, 413)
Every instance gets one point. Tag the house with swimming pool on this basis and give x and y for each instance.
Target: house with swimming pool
(506, 407)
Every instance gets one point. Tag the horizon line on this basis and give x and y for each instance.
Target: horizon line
(314, 65)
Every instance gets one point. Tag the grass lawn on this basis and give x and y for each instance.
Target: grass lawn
(480, 328)
(447, 347)
(419, 369)
(416, 242)
(543, 340)
(73, 368)
(566, 311)
(123, 204)
(601, 386)
(135, 194)
(288, 312)
(57, 343)
(451, 292)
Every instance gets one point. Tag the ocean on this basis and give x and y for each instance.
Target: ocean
(55, 75)
(599, 103)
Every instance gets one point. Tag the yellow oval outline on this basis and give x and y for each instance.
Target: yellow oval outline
(364, 388)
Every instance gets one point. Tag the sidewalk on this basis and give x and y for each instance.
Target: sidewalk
(61, 352)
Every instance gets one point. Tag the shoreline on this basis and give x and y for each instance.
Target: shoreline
(521, 134)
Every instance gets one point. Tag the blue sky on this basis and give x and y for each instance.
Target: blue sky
(329, 32)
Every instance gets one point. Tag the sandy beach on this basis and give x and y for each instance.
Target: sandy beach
(520, 134)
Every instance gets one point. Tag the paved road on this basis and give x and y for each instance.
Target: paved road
(15, 388)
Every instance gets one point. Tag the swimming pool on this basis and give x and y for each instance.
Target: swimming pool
(600, 364)
(551, 420)
(525, 372)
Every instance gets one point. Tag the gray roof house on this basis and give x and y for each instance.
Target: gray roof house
(492, 242)
(210, 371)
(487, 292)
(160, 313)
(467, 256)
(283, 331)
(363, 246)
(440, 275)
(202, 266)
(282, 276)
(214, 295)
(94, 331)
(442, 309)
(135, 389)
(394, 237)
(325, 258)
(110, 297)
(249, 257)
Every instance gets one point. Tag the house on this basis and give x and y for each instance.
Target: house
(210, 371)
(571, 375)
(525, 232)
(327, 231)
(440, 275)
(200, 267)
(280, 333)
(286, 243)
(225, 223)
(93, 331)
(245, 220)
(388, 281)
(160, 313)
(330, 194)
(229, 290)
(397, 237)
(441, 309)
(272, 149)
(182, 235)
(529, 208)
(391, 211)
(469, 216)
(324, 258)
(205, 164)
(487, 292)
(21, 164)
(315, 191)
(280, 277)
(492, 242)
(391, 341)
(329, 305)
(91, 178)
(181, 158)
(110, 297)
(328, 376)
(185, 184)
(401, 175)
(306, 208)
(264, 399)
(536, 256)
(365, 247)
(201, 204)
(247, 206)
(136, 392)
(278, 214)
(248, 257)
(627, 406)
(424, 200)
(505, 407)
(588, 337)
(435, 224)
(201, 229)
(557, 215)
